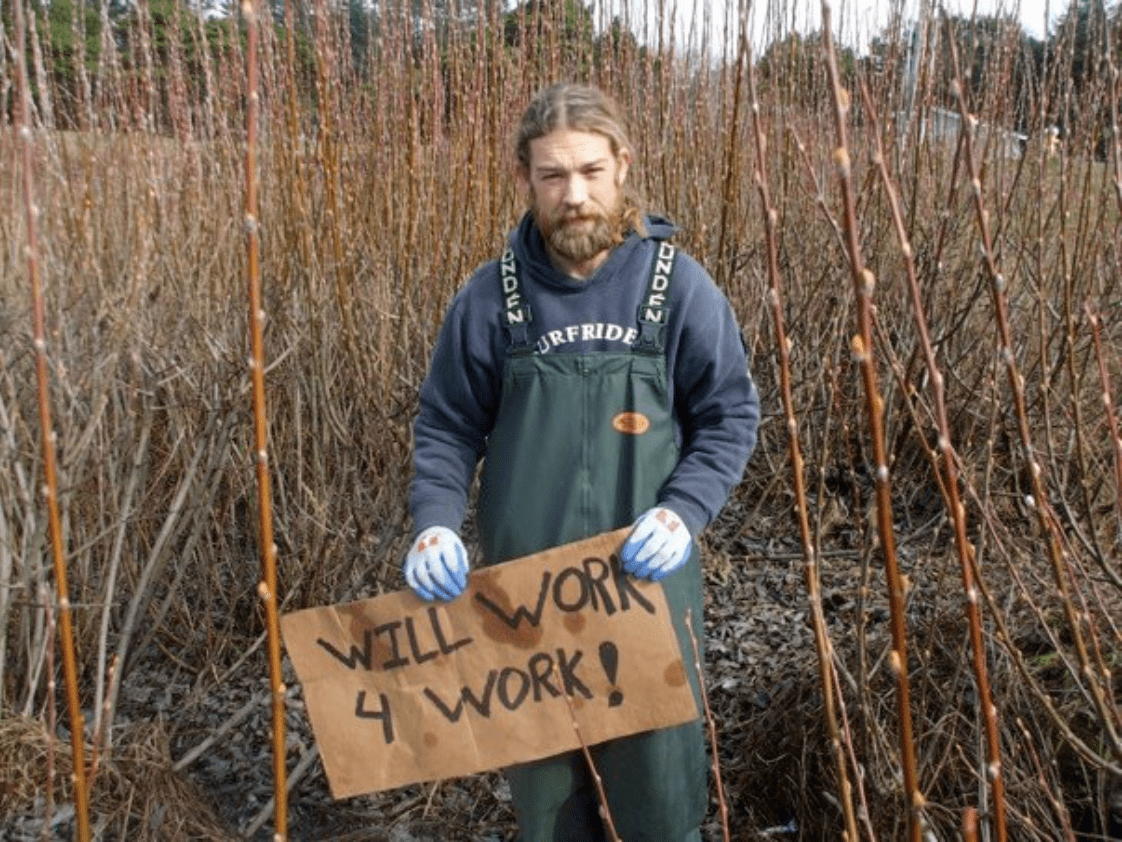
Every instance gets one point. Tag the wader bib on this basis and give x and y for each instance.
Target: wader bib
(581, 445)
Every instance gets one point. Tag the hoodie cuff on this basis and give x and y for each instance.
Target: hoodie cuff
(437, 515)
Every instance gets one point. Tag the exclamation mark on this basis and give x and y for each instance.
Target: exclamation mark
(609, 658)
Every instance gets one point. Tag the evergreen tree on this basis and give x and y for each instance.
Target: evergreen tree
(1078, 50)
(1080, 40)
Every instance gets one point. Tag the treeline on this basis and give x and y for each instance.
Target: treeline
(158, 51)
(80, 53)
(1035, 85)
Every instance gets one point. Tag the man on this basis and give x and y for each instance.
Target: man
(602, 379)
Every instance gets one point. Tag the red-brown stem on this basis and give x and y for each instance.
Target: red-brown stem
(948, 464)
(1057, 805)
(1056, 714)
(1115, 146)
(267, 589)
(1093, 675)
(46, 429)
(1108, 408)
(864, 283)
(52, 716)
(970, 825)
(605, 812)
(710, 727)
(810, 551)
(847, 739)
(730, 164)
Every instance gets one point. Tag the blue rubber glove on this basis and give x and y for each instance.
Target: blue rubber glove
(658, 545)
(437, 565)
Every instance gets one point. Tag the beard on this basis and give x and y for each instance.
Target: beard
(582, 235)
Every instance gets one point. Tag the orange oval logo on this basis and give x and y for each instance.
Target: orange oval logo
(631, 423)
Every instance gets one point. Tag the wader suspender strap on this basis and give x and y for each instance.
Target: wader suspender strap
(516, 312)
(654, 312)
(653, 315)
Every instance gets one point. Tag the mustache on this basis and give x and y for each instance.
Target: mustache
(581, 216)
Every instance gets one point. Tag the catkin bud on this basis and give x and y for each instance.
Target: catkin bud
(894, 662)
(869, 282)
(857, 346)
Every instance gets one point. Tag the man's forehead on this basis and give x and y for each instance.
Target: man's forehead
(568, 148)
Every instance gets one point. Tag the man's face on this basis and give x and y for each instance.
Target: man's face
(575, 185)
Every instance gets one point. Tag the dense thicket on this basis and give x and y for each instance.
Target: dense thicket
(384, 167)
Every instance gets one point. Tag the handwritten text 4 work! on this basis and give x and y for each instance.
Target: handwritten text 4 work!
(417, 639)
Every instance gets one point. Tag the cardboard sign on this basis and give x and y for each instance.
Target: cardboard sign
(402, 691)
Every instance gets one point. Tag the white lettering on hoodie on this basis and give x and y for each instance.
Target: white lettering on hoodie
(586, 332)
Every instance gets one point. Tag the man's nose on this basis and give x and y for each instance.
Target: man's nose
(576, 192)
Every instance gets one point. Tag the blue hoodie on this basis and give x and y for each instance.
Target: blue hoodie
(716, 407)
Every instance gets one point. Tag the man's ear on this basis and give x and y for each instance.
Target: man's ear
(522, 180)
(624, 159)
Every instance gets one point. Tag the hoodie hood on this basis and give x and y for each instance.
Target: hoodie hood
(529, 249)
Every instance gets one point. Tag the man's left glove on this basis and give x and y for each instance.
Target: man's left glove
(437, 565)
(658, 545)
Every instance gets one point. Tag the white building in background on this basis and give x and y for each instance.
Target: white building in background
(942, 125)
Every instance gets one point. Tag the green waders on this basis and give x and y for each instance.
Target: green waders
(581, 445)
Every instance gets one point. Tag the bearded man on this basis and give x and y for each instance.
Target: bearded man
(601, 376)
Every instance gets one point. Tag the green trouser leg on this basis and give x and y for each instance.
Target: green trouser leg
(656, 783)
(555, 800)
(652, 798)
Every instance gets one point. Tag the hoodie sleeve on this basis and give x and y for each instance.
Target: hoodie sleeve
(715, 400)
(458, 401)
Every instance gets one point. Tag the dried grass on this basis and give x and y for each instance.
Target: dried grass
(135, 793)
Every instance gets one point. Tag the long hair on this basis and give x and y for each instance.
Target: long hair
(583, 109)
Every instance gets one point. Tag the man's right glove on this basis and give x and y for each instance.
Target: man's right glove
(437, 565)
(658, 545)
